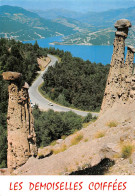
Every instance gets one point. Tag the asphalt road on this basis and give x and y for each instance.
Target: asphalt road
(37, 98)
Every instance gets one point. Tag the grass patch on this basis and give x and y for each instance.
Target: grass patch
(62, 149)
(86, 140)
(53, 143)
(130, 161)
(112, 124)
(86, 124)
(76, 139)
(116, 156)
(63, 137)
(127, 151)
(100, 134)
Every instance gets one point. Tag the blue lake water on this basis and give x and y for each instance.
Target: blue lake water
(97, 54)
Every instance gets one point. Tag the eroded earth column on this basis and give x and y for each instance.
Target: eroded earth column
(119, 71)
(20, 123)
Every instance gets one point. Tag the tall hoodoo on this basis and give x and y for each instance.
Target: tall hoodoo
(118, 84)
(20, 123)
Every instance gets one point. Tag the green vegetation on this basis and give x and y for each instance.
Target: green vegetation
(112, 124)
(88, 118)
(76, 139)
(14, 56)
(77, 28)
(50, 126)
(86, 140)
(102, 37)
(61, 149)
(75, 83)
(79, 84)
(20, 24)
(127, 151)
(100, 134)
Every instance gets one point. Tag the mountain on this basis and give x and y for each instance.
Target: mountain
(18, 23)
(100, 19)
(6, 10)
(98, 37)
(106, 19)
(92, 28)
(58, 13)
(75, 24)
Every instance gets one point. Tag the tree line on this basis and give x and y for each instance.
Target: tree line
(75, 83)
(72, 82)
(50, 125)
(18, 57)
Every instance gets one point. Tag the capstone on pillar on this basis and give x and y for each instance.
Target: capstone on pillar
(119, 78)
(20, 123)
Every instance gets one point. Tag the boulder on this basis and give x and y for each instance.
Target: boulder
(109, 150)
(26, 85)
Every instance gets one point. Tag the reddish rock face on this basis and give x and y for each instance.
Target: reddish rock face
(20, 124)
(120, 83)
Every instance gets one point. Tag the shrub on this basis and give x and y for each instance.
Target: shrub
(63, 137)
(61, 149)
(76, 139)
(50, 126)
(53, 143)
(76, 82)
(127, 151)
(86, 140)
(87, 118)
(94, 118)
(100, 134)
(112, 124)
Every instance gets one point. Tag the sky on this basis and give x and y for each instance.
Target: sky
(74, 5)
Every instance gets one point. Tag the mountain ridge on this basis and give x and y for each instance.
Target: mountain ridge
(89, 16)
(30, 25)
(92, 28)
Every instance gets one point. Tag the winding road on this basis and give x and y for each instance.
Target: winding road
(37, 98)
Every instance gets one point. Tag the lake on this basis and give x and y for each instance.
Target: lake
(97, 54)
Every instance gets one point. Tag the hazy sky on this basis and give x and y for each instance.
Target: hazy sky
(76, 5)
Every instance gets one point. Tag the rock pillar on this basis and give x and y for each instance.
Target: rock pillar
(117, 75)
(20, 123)
(129, 61)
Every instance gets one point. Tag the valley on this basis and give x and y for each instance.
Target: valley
(89, 28)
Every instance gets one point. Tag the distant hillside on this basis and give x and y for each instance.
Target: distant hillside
(6, 10)
(58, 13)
(94, 28)
(98, 19)
(106, 19)
(98, 37)
(18, 23)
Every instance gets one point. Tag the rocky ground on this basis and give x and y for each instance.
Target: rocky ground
(106, 146)
(112, 136)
